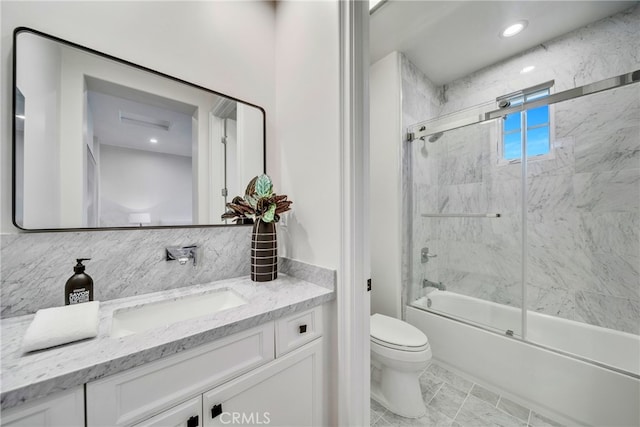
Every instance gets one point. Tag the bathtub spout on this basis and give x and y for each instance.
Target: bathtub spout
(438, 285)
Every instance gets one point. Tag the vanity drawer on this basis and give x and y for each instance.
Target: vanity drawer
(298, 329)
(141, 392)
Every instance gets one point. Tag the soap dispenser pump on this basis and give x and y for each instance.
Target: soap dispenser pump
(79, 287)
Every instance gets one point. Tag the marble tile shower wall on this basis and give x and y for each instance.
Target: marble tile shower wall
(584, 210)
(480, 257)
(35, 266)
(419, 102)
(583, 203)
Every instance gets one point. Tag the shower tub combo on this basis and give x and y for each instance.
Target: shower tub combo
(577, 373)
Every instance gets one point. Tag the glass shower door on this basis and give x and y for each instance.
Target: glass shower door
(583, 238)
(467, 228)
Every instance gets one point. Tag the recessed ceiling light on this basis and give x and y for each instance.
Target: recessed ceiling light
(153, 141)
(514, 29)
(527, 69)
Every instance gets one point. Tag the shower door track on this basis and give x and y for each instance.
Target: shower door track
(588, 89)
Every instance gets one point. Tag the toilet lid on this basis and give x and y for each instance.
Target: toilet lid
(396, 332)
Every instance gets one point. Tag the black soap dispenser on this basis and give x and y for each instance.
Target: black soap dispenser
(79, 287)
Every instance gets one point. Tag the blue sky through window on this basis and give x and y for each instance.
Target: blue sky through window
(538, 129)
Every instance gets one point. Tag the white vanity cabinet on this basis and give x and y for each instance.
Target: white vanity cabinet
(236, 380)
(285, 392)
(64, 409)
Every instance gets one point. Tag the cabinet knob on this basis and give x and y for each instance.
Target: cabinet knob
(193, 421)
(302, 328)
(216, 410)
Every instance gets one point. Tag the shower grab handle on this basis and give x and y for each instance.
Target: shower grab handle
(462, 215)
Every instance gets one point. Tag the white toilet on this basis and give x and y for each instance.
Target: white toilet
(399, 353)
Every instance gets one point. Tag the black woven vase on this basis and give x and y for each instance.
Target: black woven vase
(264, 252)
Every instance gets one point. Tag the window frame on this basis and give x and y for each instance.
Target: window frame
(524, 93)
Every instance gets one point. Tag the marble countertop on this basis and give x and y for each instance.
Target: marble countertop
(25, 377)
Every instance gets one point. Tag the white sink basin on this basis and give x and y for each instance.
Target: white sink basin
(129, 321)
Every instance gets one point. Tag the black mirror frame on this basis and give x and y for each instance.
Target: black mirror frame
(19, 30)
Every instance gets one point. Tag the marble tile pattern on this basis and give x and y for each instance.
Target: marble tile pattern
(37, 374)
(419, 102)
(583, 201)
(453, 400)
(308, 272)
(36, 266)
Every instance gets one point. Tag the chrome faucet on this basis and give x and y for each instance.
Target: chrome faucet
(182, 254)
(425, 255)
(438, 285)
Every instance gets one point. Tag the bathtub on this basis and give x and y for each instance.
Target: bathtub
(579, 373)
(617, 349)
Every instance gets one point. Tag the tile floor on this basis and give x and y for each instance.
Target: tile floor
(458, 402)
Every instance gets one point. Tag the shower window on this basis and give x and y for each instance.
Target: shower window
(536, 121)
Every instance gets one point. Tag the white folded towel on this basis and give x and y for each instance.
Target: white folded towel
(60, 325)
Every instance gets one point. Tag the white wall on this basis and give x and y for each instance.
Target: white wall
(308, 128)
(200, 42)
(40, 86)
(385, 200)
(308, 150)
(144, 181)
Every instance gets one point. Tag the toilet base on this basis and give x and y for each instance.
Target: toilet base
(399, 392)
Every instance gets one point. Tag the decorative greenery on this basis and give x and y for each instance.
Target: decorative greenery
(259, 203)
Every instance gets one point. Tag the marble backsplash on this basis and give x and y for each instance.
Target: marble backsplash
(35, 266)
(583, 202)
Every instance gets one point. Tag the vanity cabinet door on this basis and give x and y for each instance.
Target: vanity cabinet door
(285, 392)
(65, 409)
(187, 414)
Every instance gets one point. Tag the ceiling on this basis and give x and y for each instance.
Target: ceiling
(448, 40)
(173, 132)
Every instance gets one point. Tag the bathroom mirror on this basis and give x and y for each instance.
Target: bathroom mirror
(99, 142)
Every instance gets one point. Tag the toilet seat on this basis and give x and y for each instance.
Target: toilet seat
(398, 335)
(399, 347)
